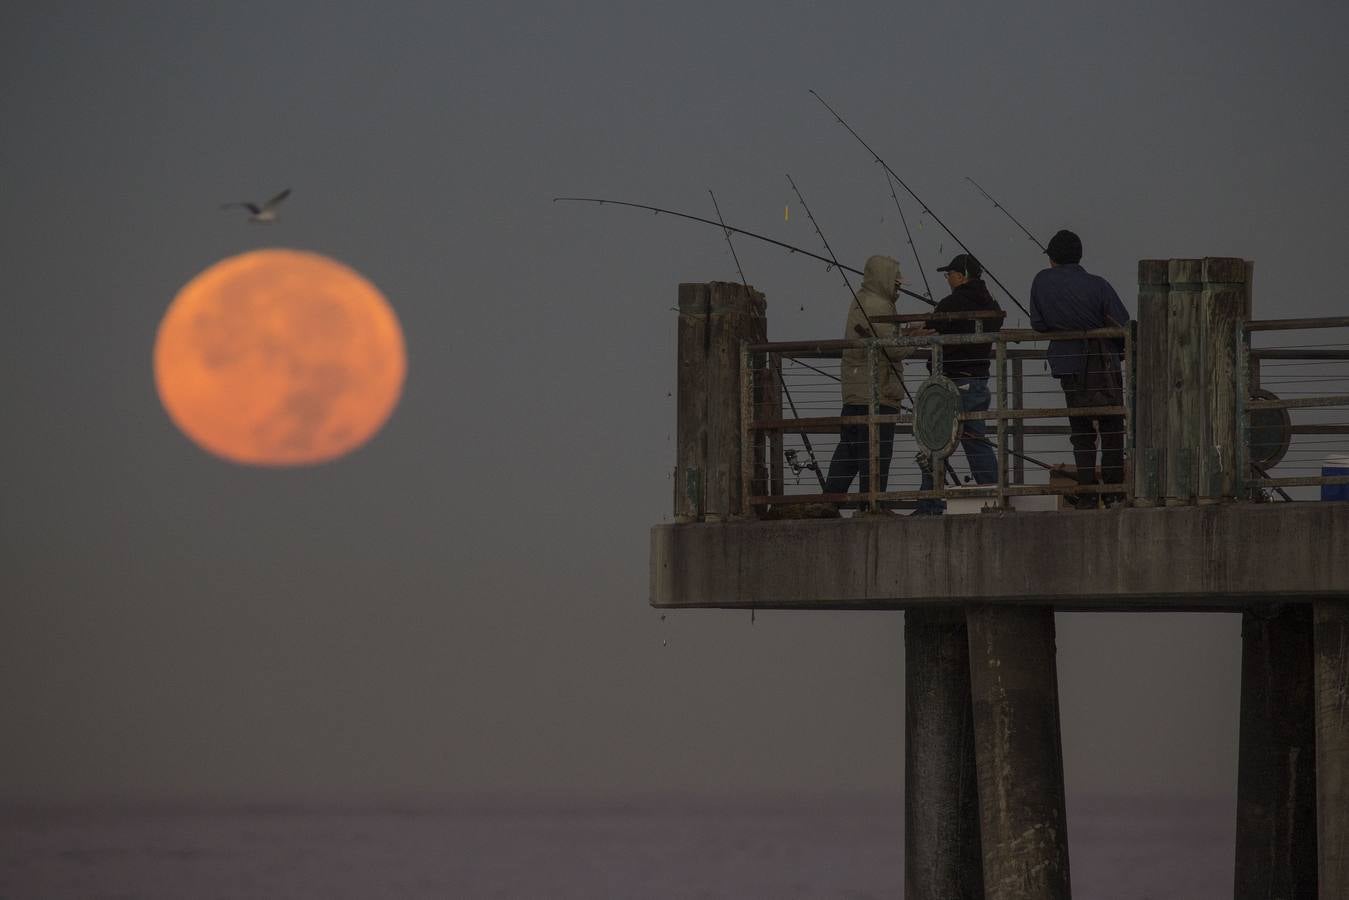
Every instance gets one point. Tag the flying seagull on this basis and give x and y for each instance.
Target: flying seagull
(266, 213)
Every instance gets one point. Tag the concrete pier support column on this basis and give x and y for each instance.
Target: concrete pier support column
(941, 803)
(1332, 746)
(1019, 753)
(1276, 775)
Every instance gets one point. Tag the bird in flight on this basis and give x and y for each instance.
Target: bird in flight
(266, 213)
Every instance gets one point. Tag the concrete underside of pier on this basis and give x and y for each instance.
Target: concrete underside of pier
(1219, 557)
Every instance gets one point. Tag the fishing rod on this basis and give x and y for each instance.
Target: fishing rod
(735, 256)
(949, 469)
(997, 205)
(927, 209)
(855, 299)
(788, 247)
(805, 438)
(908, 234)
(899, 376)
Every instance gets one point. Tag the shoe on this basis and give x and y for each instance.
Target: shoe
(1113, 501)
(1081, 501)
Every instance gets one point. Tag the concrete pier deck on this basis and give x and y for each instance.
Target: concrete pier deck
(1218, 557)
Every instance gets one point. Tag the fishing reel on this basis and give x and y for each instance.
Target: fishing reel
(797, 466)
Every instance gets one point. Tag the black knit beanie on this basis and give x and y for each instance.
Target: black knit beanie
(1065, 248)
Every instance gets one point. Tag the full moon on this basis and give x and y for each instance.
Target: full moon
(279, 358)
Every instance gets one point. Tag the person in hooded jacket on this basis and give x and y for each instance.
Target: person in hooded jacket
(876, 297)
(1066, 297)
(967, 366)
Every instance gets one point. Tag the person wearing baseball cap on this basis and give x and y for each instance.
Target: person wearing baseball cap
(967, 366)
(1066, 297)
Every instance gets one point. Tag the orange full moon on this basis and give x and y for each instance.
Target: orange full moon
(279, 358)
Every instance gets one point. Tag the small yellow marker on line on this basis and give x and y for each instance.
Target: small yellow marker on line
(784, 213)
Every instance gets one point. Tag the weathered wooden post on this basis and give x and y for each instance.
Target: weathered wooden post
(1224, 303)
(941, 800)
(1018, 425)
(691, 403)
(1186, 430)
(1151, 387)
(1184, 410)
(1023, 819)
(714, 320)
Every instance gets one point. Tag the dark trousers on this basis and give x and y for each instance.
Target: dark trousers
(851, 456)
(1086, 428)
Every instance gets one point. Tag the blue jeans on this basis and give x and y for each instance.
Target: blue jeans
(979, 453)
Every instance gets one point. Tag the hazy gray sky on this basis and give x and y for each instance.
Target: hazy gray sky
(463, 602)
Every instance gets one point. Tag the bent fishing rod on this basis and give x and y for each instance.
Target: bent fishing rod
(1015, 220)
(788, 247)
(927, 209)
(908, 234)
(899, 376)
(805, 438)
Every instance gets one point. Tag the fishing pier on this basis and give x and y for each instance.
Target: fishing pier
(1228, 421)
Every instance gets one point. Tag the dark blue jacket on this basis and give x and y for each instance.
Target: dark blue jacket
(1069, 298)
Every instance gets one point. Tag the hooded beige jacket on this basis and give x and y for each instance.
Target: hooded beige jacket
(877, 297)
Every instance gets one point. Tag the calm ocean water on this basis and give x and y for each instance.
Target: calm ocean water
(643, 848)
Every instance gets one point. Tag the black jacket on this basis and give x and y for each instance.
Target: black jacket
(966, 360)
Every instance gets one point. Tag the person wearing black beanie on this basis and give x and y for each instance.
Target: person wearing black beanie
(1065, 248)
(1066, 297)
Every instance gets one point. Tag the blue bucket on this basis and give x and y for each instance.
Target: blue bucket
(1335, 465)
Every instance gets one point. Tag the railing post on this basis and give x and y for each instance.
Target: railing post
(1130, 418)
(1003, 502)
(773, 387)
(1018, 425)
(873, 436)
(1241, 478)
(938, 465)
(746, 431)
